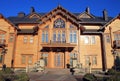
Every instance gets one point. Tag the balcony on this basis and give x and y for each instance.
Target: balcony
(116, 44)
(58, 44)
(2, 43)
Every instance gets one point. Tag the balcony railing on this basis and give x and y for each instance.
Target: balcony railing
(58, 44)
(116, 44)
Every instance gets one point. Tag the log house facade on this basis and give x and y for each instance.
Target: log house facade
(59, 37)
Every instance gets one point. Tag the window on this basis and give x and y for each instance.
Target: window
(86, 39)
(63, 36)
(23, 59)
(92, 39)
(91, 59)
(45, 36)
(30, 59)
(94, 60)
(116, 36)
(87, 60)
(31, 39)
(59, 23)
(54, 36)
(73, 36)
(26, 59)
(11, 39)
(89, 40)
(59, 36)
(2, 38)
(25, 39)
(107, 36)
(1, 58)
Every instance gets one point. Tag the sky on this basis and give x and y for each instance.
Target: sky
(13, 7)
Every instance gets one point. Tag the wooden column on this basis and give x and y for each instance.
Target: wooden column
(66, 57)
(78, 44)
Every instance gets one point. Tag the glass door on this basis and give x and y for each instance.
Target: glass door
(58, 60)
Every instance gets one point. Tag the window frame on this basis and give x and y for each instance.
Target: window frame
(25, 39)
(31, 39)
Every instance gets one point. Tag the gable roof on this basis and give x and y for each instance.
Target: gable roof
(87, 15)
(73, 17)
(1, 16)
(117, 17)
(32, 14)
(61, 11)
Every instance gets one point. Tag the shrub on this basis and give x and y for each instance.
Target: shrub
(22, 77)
(9, 75)
(89, 77)
(111, 72)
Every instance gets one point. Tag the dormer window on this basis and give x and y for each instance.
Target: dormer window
(59, 23)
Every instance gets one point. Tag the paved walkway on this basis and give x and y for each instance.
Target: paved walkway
(58, 75)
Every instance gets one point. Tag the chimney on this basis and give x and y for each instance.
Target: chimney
(105, 15)
(32, 10)
(88, 10)
(1, 16)
(21, 14)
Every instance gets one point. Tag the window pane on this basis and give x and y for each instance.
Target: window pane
(71, 36)
(93, 40)
(75, 37)
(2, 38)
(30, 59)
(25, 39)
(59, 23)
(87, 60)
(59, 37)
(108, 38)
(116, 36)
(54, 37)
(94, 60)
(31, 39)
(63, 36)
(43, 36)
(23, 59)
(11, 38)
(86, 39)
(46, 36)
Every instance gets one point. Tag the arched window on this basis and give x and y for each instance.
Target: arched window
(59, 23)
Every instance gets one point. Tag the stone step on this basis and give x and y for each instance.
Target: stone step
(57, 71)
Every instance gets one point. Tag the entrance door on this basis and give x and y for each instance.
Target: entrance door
(59, 60)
